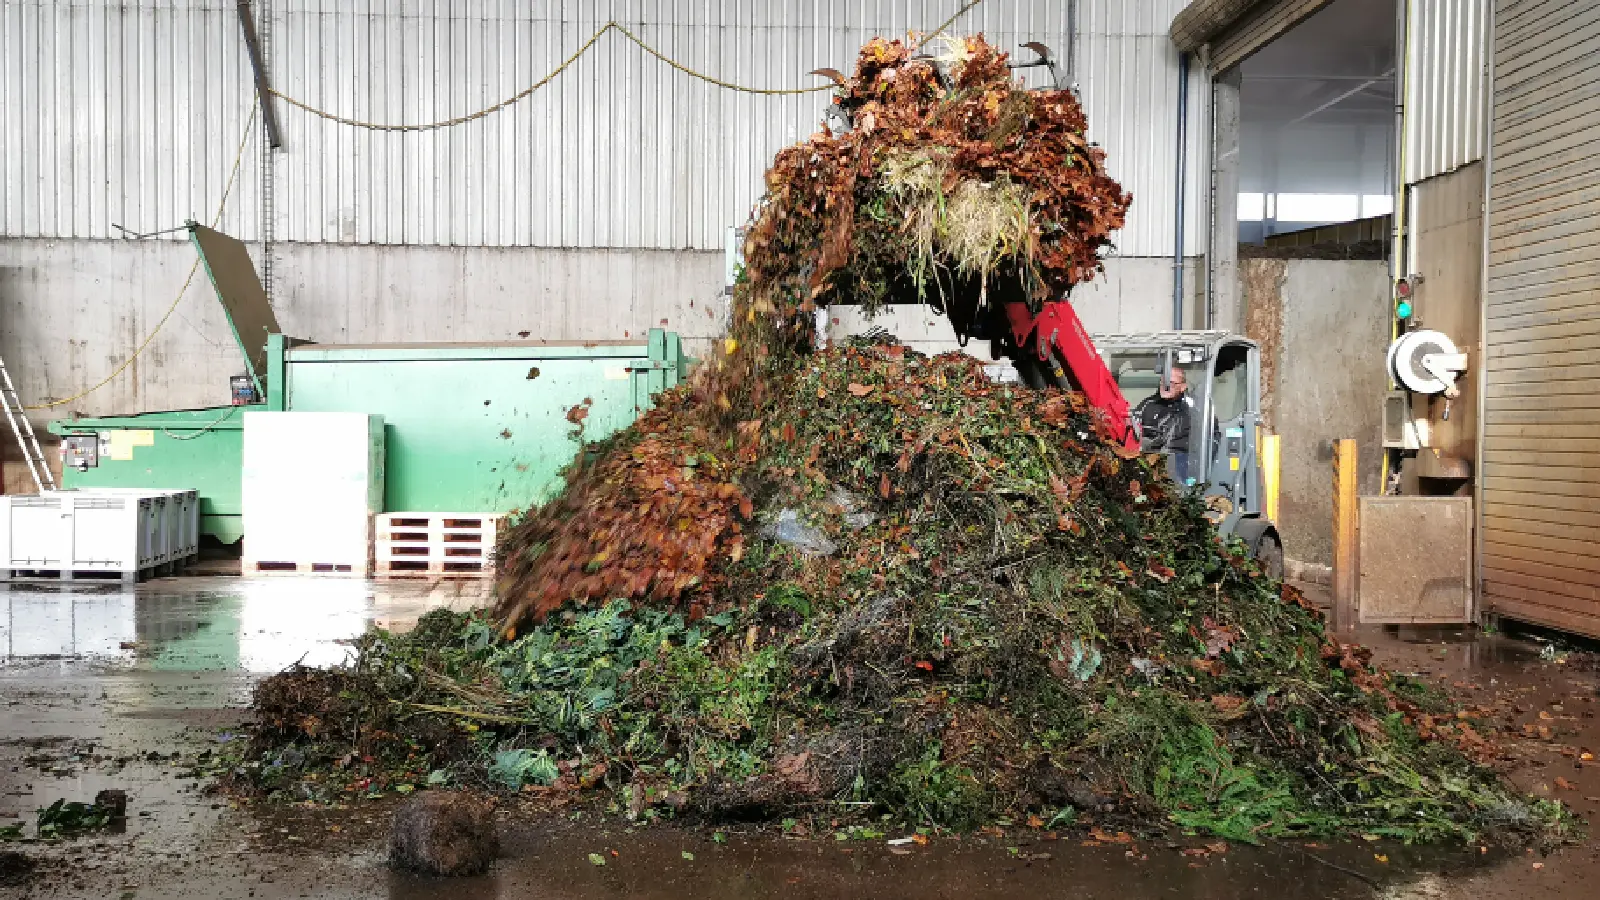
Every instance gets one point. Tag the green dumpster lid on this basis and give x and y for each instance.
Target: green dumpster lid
(239, 290)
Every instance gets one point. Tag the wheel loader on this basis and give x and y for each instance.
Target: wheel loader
(1048, 346)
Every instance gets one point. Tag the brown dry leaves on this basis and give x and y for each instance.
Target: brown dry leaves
(653, 522)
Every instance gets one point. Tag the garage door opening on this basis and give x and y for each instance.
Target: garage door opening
(1317, 132)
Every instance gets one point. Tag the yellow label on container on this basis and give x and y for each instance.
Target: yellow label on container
(121, 442)
(1233, 463)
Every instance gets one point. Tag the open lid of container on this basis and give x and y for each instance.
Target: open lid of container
(243, 299)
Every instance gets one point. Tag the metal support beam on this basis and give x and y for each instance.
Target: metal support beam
(269, 114)
(1223, 309)
(1345, 95)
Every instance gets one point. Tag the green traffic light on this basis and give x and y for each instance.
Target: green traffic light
(1403, 310)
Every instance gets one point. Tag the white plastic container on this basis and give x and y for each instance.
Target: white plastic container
(312, 482)
(179, 510)
(64, 534)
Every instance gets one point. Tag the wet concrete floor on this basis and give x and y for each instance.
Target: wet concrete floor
(106, 687)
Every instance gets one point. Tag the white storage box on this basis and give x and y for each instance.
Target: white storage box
(67, 534)
(180, 513)
(312, 482)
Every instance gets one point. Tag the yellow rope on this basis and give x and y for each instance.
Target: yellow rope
(567, 63)
(188, 279)
(446, 123)
(707, 78)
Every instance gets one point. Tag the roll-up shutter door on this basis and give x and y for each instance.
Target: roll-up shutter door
(1237, 28)
(1540, 516)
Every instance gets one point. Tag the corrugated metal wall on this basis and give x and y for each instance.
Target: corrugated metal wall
(1445, 80)
(1540, 526)
(130, 113)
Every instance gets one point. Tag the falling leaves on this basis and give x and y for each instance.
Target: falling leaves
(1160, 572)
(1219, 638)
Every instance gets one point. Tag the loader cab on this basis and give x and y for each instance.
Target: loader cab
(1224, 375)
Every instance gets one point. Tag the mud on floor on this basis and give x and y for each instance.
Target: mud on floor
(79, 722)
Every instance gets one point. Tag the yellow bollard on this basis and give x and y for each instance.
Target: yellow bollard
(1346, 577)
(1271, 463)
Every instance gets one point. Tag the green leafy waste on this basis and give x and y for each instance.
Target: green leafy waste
(62, 819)
(1013, 621)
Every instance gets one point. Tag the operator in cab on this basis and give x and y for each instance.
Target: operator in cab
(1163, 420)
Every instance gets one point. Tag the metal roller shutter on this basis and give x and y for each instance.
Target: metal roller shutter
(1257, 28)
(1540, 447)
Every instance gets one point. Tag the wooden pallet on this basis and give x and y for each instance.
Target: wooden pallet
(268, 567)
(435, 545)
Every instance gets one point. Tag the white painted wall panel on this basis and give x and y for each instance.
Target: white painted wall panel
(130, 113)
(1445, 86)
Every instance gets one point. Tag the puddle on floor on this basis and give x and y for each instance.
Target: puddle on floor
(212, 624)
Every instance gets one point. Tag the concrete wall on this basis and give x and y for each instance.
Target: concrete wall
(1323, 327)
(71, 311)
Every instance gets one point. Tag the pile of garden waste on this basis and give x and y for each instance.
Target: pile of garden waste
(861, 584)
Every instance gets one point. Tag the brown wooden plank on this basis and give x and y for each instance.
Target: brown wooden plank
(1539, 181)
(1585, 327)
(1511, 479)
(1567, 575)
(1506, 360)
(1493, 545)
(1578, 407)
(1586, 372)
(1549, 287)
(1512, 608)
(1513, 534)
(1544, 500)
(1494, 456)
(1524, 125)
(1497, 430)
(1559, 151)
(1502, 522)
(1549, 387)
(1576, 476)
(1521, 25)
(1560, 205)
(1565, 595)
(1506, 322)
(1565, 57)
(1585, 617)
(1567, 518)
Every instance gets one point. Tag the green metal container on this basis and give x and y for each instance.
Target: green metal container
(468, 427)
(201, 449)
(477, 427)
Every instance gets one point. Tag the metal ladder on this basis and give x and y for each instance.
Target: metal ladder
(23, 429)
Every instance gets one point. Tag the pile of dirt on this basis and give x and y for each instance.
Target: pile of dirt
(864, 584)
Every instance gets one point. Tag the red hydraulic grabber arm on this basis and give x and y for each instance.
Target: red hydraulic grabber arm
(1055, 337)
